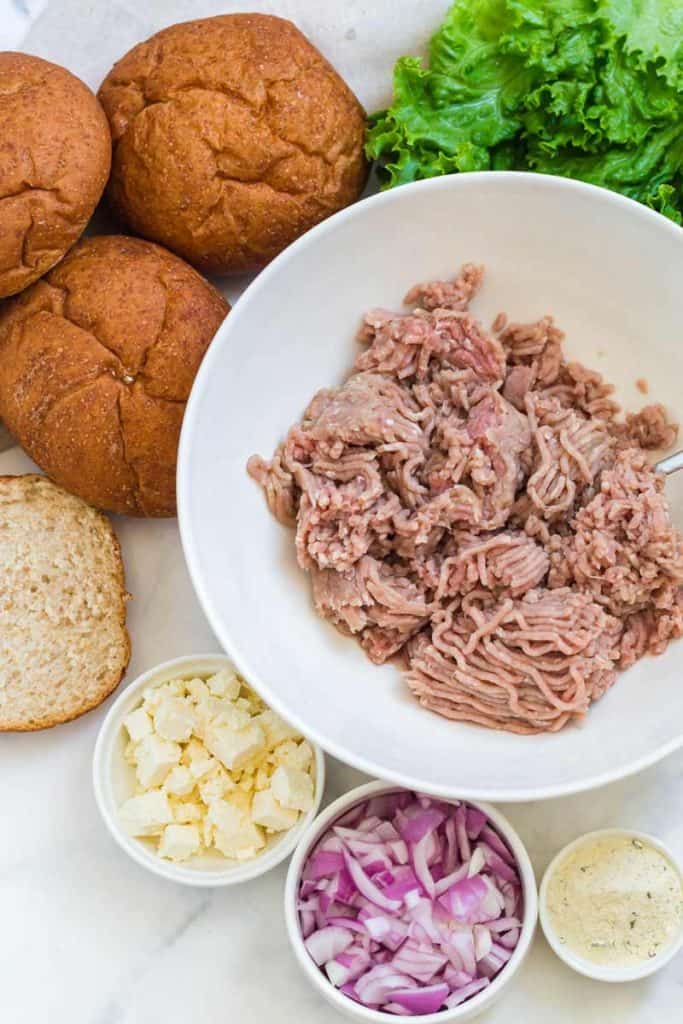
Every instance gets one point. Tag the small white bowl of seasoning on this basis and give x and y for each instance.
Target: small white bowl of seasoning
(611, 905)
(198, 780)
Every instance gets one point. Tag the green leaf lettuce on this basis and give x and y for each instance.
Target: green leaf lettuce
(589, 89)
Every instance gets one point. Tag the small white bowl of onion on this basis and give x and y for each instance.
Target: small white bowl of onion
(398, 904)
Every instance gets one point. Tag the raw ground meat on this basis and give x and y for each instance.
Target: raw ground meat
(470, 499)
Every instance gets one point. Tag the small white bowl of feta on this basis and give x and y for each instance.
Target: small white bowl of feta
(198, 780)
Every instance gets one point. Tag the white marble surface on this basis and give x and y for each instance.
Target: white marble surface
(16, 19)
(87, 936)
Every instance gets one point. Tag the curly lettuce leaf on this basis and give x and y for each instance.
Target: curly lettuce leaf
(591, 89)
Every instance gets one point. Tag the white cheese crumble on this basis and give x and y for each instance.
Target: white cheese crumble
(216, 770)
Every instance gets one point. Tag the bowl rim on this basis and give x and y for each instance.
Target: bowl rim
(233, 873)
(601, 972)
(478, 1002)
(188, 536)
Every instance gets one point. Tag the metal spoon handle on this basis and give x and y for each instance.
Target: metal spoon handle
(670, 464)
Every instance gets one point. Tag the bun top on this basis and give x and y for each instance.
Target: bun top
(55, 156)
(232, 136)
(96, 363)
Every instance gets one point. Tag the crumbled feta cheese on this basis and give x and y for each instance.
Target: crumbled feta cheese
(275, 728)
(224, 684)
(266, 811)
(214, 785)
(138, 724)
(155, 758)
(186, 811)
(234, 834)
(199, 759)
(214, 768)
(234, 748)
(262, 778)
(292, 788)
(146, 814)
(179, 782)
(198, 690)
(238, 798)
(295, 755)
(178, 842)
(174, 718)
(226, 713)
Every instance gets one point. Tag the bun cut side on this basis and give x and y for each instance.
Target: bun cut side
(63, 640)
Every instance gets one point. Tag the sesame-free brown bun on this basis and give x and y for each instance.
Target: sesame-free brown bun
(232, 136)
(96, 364)
(55, 155)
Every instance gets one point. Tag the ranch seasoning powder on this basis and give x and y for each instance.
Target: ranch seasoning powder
(615, 901)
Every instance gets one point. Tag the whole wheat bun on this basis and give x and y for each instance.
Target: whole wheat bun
(55, 155)
(96, 363)
(232, 136)
(63, 640)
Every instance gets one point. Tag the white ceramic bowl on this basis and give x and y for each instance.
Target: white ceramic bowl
(610, 270)
(600, 972)
(467, 1010)
(114, 782)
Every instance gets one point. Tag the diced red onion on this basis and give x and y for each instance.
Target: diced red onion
(399, 851)
(488, 835)
(451, 859)
(476, 821)
(466, 992)
(420, 866)
(500, 952)
(461, 833)
(324, 864)
(503, 924)
(422, 1000)
(356, 960)
(465, 900)
(421, 964)
(347, 834)
(353, 815)
(483, 942)
(377, 984)
(349, 989)
(307, 920)
(461, 943)
(498, 866)
(386, 832)
(410, 904)
(373, 866)
(327, 943)
(421, 825)
(351, 923)
(421, 914)
(489, 965)
(511, 898)
(476, 863)
(366, 886)
(455, 978)
(369, 824)
(510, 939)
(343, 887)
(448, 880)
